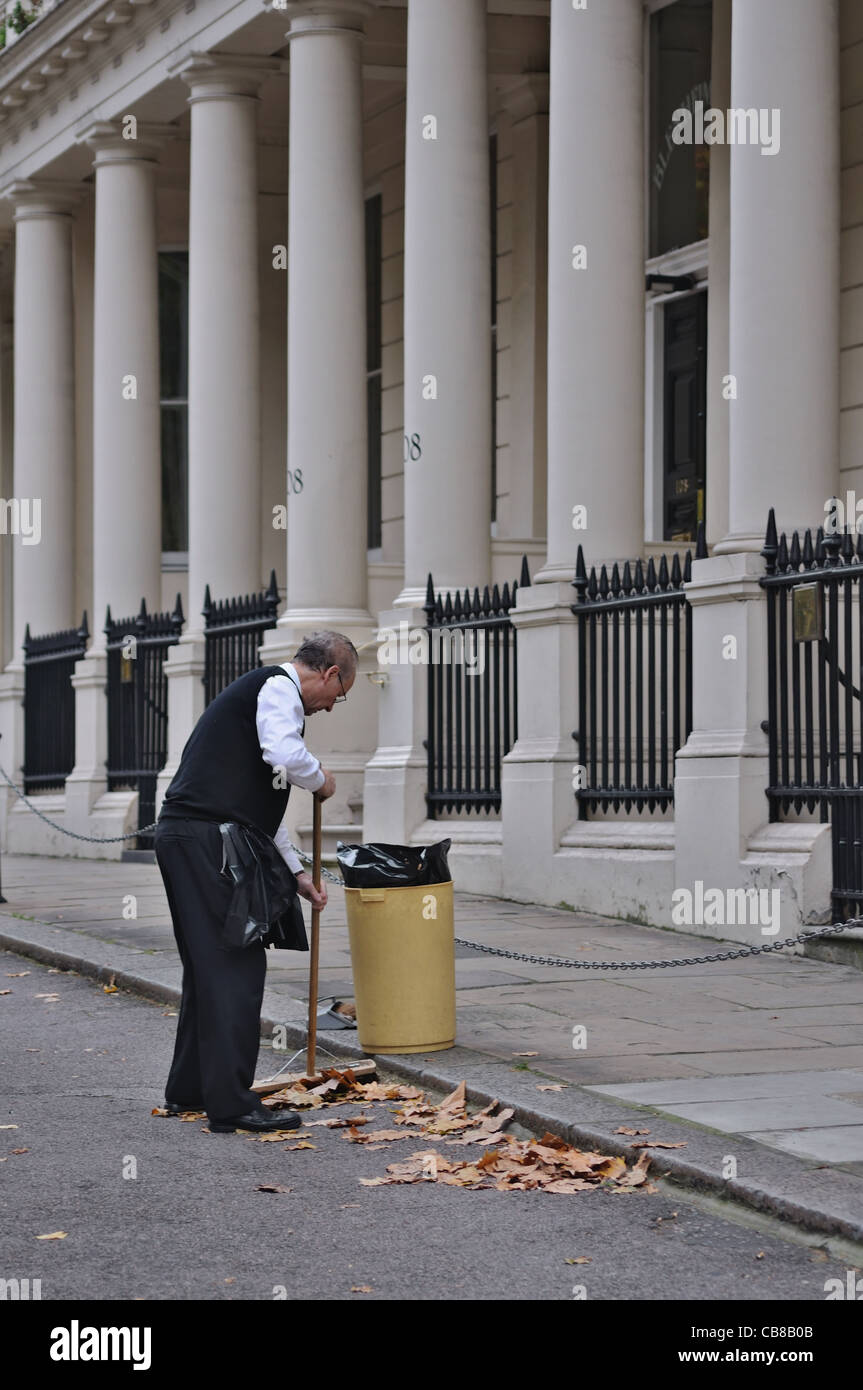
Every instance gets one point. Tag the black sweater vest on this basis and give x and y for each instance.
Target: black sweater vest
(222, 773)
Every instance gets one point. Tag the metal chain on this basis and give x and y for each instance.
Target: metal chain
(497, 950)
(91, 839)
(660, 964)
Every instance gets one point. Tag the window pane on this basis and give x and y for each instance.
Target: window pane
(175, 514)
(174, 324)
(680, 38)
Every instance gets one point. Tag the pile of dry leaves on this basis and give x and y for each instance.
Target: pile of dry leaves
(507, 1164)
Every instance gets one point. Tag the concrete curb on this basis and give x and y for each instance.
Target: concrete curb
(781, 1186)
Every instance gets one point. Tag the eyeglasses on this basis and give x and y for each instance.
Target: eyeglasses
(340, 699)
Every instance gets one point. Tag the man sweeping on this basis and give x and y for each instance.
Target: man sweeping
(241, 759)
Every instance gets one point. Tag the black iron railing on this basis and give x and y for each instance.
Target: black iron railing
(472, 695)
(814, 725)
(635, 681)
(232, 632)
(49, 706)
(138, 704)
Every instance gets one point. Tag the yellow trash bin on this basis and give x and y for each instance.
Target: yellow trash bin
(403, 957)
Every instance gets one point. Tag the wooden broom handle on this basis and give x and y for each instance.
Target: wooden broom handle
(315, 944)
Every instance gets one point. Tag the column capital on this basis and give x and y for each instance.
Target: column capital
(325, 16)
(34, 199)
(112, 142)
(217, 76)
(526, 96)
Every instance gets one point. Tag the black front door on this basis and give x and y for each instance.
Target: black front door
(684, 415)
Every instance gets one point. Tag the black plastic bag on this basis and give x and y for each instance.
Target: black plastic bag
(393, 866)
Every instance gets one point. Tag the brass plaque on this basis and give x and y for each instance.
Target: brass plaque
(125, 669)
(808, 613)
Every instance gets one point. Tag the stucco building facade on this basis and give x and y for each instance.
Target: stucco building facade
(365, 291)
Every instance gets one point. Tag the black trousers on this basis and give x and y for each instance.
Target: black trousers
(218, 1030)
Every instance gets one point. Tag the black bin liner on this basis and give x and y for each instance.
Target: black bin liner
(393, 866)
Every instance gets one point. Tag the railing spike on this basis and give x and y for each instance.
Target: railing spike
(524, 577)
(675, 571)
(603, 582)
(639, 577)
(615, 579)
(700, 542)
(782, 553)
(770, 548)
(627, 578)
(663, 572)
(429, 603)
(807, 548)
(651, 574)
(495, 599)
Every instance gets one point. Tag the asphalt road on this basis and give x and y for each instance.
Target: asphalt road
(80, 1075)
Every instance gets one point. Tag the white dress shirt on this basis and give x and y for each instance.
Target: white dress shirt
(279, 722)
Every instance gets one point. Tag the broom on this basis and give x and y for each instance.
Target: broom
(363, 1071)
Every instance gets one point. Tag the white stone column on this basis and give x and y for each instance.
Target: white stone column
(41, 479)
(447, 300)
(595, 284)
(224, 328)
(327, 563)
(44, 412)
(127, 483)
(784, 277)
(783, 445)
(327, 440)
(224, 364)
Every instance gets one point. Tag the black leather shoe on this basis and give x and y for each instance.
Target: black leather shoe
(173, 1108)
(264, 1121)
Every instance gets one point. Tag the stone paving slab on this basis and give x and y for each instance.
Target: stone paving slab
(764, 1048)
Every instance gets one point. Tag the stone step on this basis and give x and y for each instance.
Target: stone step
(844, 949)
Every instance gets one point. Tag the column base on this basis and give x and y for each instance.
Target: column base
(184, 668)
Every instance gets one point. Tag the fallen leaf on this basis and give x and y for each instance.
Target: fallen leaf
(52, 998)
(340, 1124)
(303, 1144)
(171, 1013)
(16, 974)
(580, 1260)
(54, 1235)
(5, 991)
(455, 1101)
(232, 1280)
(525, 1054)
(760, 1255)
(110, 988)
(8, 1126)
(19, 1151)
(272, 1187)
(624, 1129)
(361, 1288)
(659, 1144)
(551, 1088)
(378, 1136)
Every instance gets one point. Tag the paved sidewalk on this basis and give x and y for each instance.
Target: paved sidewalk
(760, 1060)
